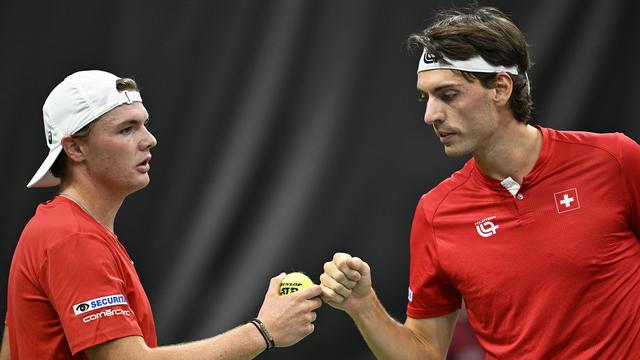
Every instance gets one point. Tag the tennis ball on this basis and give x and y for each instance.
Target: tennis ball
(293, 282)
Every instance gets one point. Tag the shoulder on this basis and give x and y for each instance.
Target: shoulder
(431, 201)
(605, 144)
(56, 221)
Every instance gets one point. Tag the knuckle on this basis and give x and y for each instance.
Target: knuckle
(346, 293)
(329, 292)
(323, 278)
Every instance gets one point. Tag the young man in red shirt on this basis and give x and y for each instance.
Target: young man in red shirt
(73, 290)
(538, 232)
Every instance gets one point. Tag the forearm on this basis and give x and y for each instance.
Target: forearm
(386, 337)
(4, 350)
(242, 342)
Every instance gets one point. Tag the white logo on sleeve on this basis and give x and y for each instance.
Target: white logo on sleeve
(486, 227)
(105, 313)
(98, 303)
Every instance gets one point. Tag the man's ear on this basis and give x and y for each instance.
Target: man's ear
(73, 148)
(503, 86)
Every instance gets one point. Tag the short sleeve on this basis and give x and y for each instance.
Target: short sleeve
(429, 294)
(631, 176)
(84, 283)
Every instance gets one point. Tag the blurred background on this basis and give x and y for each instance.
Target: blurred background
(287, 130)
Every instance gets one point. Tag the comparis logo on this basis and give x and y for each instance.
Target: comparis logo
(486, 227)
(107, 312)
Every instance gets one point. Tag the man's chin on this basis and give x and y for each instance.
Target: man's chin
(139, 185)
(454, 152)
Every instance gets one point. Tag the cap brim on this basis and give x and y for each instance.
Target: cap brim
(44, 177)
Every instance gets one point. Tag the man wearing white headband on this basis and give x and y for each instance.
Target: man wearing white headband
(538, 232)
(73, 290)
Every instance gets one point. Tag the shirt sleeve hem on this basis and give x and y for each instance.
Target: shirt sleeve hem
(429, 313)
(88, 342)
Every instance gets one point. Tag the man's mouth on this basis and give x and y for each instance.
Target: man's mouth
(445, 135)
(144, 166)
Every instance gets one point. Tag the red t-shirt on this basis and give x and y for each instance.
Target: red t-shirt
(72, 285)
(550, 273)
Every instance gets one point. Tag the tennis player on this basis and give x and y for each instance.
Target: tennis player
(73, 290)
(538, 232)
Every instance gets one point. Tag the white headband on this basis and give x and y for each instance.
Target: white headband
(473, 64)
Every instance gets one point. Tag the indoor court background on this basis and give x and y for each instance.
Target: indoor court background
(287, 130)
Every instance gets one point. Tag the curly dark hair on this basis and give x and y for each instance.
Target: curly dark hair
(460, 34)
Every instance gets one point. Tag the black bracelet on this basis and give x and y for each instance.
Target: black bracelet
(268, 339)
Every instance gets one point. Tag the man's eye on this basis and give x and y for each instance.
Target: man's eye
(422, 97)
(126, 130)
(449, 95)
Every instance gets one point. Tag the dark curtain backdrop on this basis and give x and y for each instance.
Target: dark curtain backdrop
(287, 130)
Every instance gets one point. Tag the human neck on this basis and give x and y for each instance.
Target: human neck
(512, 153)
(101, 206)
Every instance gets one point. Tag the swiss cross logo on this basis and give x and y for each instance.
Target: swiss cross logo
(567, 200)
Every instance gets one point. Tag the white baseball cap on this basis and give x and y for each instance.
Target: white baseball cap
(79, 99)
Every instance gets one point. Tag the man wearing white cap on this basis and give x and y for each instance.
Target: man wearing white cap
(73, 291)
(538, 232)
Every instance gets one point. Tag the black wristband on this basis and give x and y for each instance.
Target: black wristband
(268, 339)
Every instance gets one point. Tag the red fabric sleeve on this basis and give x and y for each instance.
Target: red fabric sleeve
(429, 295)
(630, 159)
(77, 270)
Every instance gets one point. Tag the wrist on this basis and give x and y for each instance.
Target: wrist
(364, 307)
(264, 332)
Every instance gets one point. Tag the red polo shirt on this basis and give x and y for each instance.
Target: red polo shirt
(72, 285)
(552, 272)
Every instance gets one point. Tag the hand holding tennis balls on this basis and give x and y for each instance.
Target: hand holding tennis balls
(290, 318)
(293, 282)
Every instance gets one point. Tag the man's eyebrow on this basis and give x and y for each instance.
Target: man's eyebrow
(440, 88)
(445, 87)
(133, 122)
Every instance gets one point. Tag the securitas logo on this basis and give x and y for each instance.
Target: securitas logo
(486, 227)
(98, 303)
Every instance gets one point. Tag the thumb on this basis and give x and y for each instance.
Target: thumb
(274, 284)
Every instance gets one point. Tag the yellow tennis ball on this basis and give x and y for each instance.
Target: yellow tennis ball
(293, 282)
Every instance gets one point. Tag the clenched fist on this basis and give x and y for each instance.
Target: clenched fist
(346, 282)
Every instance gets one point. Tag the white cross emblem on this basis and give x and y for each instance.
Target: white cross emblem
(567, 200)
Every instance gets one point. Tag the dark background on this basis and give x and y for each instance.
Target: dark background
(287, 130)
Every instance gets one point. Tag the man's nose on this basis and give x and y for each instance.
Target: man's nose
(433, 111)
(148, 141)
